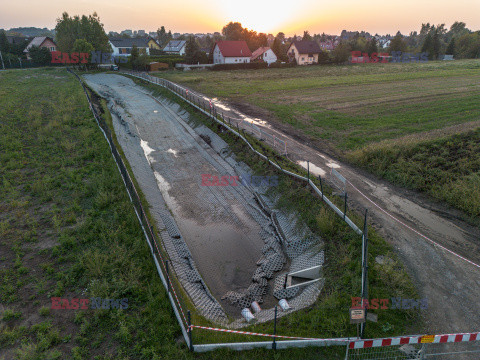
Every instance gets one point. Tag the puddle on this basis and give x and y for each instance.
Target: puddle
(314, 169)
(164, 187)
(147, 150)
(174, 152)
(333, 165)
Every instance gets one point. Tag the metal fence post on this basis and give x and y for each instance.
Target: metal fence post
(168, 276)
(189, 320)
(274, 345)
(321, 185)
(345, 208)
(308, 171)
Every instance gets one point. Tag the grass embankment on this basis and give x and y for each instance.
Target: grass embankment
(447, 168)
(354, 110)
(68, 229)
(329, 316)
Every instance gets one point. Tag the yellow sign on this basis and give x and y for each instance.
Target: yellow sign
(427, 339)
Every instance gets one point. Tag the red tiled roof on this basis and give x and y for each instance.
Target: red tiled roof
(259, 52)
(234, 48)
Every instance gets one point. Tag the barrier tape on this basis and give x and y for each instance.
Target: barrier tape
(260, 334)
(412, 229)
(418, 339)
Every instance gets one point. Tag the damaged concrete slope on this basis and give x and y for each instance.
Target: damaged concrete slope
(229, 246)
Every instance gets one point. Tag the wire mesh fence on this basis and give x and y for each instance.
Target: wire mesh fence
(204, 338)
(174, 290)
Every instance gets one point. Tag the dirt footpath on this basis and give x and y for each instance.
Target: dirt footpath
(451, 285)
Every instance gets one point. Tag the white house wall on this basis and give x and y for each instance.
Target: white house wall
(236, 60)
(269, 56)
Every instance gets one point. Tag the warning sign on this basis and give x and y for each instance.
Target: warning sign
(427, 339)
(357, 316)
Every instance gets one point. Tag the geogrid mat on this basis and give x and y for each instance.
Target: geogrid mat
(161, 149)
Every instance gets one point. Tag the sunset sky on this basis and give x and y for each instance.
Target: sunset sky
(329, 16)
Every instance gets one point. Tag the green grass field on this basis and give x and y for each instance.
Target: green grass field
(68, 229)
(370, 114)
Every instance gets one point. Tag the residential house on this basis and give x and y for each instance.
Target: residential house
(231, 52)
(123, 46)
(18, 40)
(42, 42)
(304, 52)
(127, 32)
(328, 45)
(176, 47)
(264, 54)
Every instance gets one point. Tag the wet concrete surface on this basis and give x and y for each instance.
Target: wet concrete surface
(168, 160)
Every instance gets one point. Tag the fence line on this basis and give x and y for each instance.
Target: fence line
(197, 102)
(145, 224)
(185, 324)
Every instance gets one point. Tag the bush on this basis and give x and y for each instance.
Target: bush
(278, 65)
(240, 66)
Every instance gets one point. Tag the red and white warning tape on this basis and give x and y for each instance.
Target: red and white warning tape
(260, 334)
(418, 339)
(412, 229)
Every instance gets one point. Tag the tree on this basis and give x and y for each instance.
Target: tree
(436, 43)
(40, 55)
(451, 47)
(89, 28)
(134, 56)
(428, 46)
(233, 31)
(280, 36)
(306, 36)
(342, 52)
(468, 46)
(277, 48)
(4, 44)
(163, 37)
(459, 28)
(397, 43)
(83, 46)
(372, 46)
(192, 51)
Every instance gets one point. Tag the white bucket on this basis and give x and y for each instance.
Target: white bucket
(284, 305)
(247, 314)
(256, 307)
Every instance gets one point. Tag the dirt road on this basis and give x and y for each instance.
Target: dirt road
(451, 285)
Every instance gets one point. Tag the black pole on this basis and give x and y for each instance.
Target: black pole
(365, 271)
(153, 239)
(189, 320)
(274, 345)
(345, 208)
(168, 276)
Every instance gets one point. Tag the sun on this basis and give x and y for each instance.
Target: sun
(258, 15)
